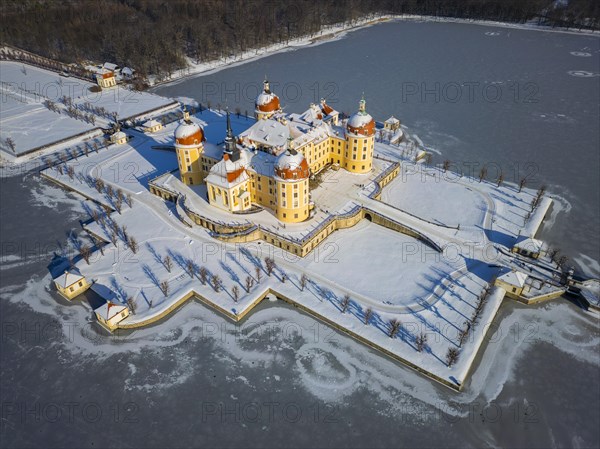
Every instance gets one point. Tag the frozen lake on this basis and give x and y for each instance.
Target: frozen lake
(281, 378)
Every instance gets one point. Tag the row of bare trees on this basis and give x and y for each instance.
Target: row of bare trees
(483, 173)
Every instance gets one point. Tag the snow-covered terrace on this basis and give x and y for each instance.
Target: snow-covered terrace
(27, 121)
(394, 275)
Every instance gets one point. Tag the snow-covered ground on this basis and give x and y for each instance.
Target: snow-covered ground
(498, 213)
(394, 275)
(30, 124)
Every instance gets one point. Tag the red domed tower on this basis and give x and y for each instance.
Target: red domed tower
(267, 103)
(360, 141)
(291, 178)
(189, 138)
(361, 123)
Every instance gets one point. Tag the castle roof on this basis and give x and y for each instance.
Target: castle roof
(361, 123)
(267, 101)
(68, 278)
(189, 133)
(513, 277)
(109, 309)
(291, 165)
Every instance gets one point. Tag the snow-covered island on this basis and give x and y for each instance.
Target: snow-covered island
(340, 216)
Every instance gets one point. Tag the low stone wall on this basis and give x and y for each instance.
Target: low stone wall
(541, 298)
(238, 317)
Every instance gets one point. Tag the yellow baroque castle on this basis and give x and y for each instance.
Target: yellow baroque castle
(270, 163)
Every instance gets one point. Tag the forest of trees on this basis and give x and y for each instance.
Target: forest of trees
(155, 36)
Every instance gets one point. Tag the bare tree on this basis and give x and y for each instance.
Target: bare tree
(131, 304)
(368, 315)
(500, 179)
(534, 203)
(99, 184)
(124, 232)
(452, 356)
(446, 165)
(258, 272)
(203, 275)
(394, 327)
(283, 278)
(421, 341)
(562, 261)
(190, 267)
(98, 243)
(10, 143)
(303, 281)
(164, 288)
(119, 205)
(113, 238)
(345, 303)
(133, 244)
(85, 252)
(129, 200)
(215, 280)
(168, 263)
(269, 265)
(522, 183)
(482, 173)
(235, 292)
(249, 283)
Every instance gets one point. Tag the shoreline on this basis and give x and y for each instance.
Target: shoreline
(334, 32)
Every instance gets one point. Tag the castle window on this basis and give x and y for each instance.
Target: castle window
(295, 216)
(80, 284)
(284, 215)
